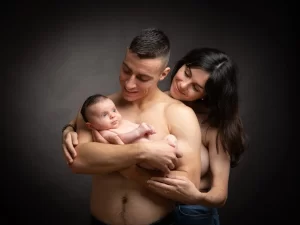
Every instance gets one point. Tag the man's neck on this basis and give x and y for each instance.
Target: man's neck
(150, 98)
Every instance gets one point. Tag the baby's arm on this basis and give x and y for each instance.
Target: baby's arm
(139, 132)
(111, 137)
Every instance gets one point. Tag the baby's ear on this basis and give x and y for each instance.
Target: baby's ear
(89, 125)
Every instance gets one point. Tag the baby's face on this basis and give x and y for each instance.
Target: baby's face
(104, 115)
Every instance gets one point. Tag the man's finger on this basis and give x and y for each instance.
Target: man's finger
(165, 169)
(69, 146)
(171, 166)
(74, 139)
(67, 155)
(98, 137)
(72, 151)
(178, 153)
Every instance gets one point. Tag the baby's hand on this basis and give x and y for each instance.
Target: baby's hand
(146, 129)
(172, 140)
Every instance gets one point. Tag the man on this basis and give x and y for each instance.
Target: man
(119, 188)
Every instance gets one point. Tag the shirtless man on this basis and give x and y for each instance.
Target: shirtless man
(115, 199)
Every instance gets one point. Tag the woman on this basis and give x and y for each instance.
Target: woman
(206, 80)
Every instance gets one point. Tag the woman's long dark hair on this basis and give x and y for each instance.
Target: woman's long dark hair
(221, 97)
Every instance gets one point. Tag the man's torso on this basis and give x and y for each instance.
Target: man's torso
(116, 200)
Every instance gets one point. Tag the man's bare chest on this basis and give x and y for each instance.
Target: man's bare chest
(154, 116)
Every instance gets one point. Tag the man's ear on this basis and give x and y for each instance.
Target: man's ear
(165, 73)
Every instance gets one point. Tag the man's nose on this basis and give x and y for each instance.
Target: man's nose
(130, 84)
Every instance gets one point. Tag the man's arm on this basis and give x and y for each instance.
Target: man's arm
(184, 125)
(99, 158)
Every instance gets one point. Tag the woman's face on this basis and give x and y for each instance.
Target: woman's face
(188, 84)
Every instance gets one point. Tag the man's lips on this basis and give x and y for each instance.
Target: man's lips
(130, 92)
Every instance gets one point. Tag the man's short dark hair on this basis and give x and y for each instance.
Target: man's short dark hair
(151, 43)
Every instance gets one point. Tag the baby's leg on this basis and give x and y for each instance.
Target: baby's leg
(172, 140)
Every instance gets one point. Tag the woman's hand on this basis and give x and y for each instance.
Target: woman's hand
(177, 188)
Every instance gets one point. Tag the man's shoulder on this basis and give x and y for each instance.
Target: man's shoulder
(178, 112)
(177, 107)
(169, 101)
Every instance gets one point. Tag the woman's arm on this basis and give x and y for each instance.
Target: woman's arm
(182, 190)
(220, 169)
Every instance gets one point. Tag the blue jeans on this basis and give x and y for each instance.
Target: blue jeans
(196, 215)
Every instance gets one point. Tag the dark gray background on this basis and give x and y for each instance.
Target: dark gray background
(55, 55)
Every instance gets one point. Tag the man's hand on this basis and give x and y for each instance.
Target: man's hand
(69, 142)
(97, 137)
(161, 155)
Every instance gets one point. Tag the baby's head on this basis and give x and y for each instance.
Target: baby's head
(100, 113)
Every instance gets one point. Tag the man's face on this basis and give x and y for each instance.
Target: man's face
(103, 115)
(139, 77)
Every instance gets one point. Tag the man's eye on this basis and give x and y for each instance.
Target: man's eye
(186, 74)
(143, 79)
(126, 71)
